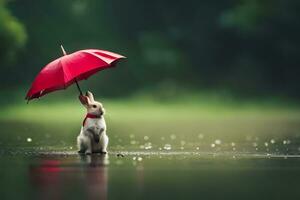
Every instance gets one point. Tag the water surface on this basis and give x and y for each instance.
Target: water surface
(33, 174)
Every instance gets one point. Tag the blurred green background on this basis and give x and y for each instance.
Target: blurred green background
(241, 47)
(219, 68)
(206, 105)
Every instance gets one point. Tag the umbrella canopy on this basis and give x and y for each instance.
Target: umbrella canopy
(64, 71)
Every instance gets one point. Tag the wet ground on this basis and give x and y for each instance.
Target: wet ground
(28, 173)
(245, 156)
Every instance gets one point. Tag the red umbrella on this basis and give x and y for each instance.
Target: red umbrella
(64, 71)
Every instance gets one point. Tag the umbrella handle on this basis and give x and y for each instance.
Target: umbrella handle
(64, 52)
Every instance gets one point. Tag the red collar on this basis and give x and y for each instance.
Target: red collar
(90, 116)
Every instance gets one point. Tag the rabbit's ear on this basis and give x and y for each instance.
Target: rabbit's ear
(84, 100)
(90, 95)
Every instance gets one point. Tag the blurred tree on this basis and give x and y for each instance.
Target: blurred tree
(12, 35)
(249, 47)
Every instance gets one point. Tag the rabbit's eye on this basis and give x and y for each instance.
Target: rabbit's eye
(94, 106)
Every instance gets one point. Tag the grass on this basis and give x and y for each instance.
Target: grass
(57, 121)
(147, 107)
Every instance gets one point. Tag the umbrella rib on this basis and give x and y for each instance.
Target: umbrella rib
(96, 55)
(63, 72)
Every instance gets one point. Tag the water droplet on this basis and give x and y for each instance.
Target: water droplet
(182, 142)
(212, 145)
(132, 142)
(29, 139)
(197, 148)
(200, 136)
(70, 147)
(182, 148)
(167, 147)
(254, 144)
(139, 159)
(272, 141)
(173, 137)
(146, 137)
(218, 142)
(134, 158)
(232, 144)
(266, 144)
(233, 148)
(148, 145)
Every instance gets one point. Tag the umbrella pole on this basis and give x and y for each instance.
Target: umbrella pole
(78, 87)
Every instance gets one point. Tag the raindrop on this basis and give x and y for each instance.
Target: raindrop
(139, 159)
(29, 139)
(167, 147)
(146, 137)
(232, 144)
(200, 136)
(132, 142)
(71, 148)
(181, 148)
(148, 145)
(197, 148)
(173, 136)
(218, 142)
(284, 142)
(134, 158)
(266, 144)
(212, 145)
(272, 141)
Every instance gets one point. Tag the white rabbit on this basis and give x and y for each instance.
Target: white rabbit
(92, 137)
